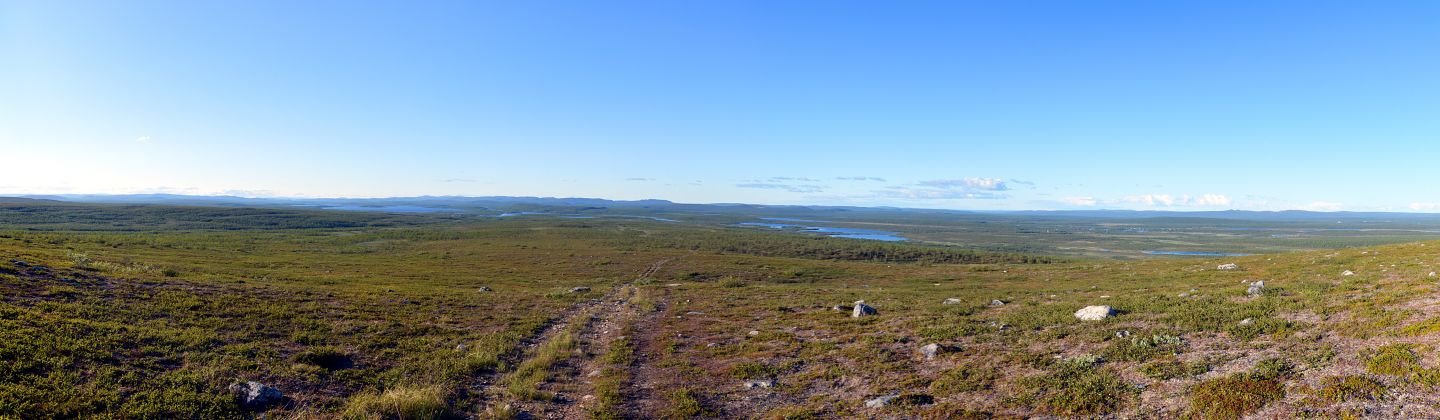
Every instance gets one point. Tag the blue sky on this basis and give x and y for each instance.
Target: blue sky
(949, 104)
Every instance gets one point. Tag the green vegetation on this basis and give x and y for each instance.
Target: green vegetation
(1239, 394)
(153, 311)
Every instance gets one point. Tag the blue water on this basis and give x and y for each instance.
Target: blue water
(838, 232)
(575, 216)
(518, 213)
(391, 209)
(1198, 253)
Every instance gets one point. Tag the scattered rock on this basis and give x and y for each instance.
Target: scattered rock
(840, 308)
(1122, 333)
(952, 301)
(672, 285)
(1247, 321)
(485, 289)
(934, 349)
(881, 401)
(898, 399)
(759, 384)
(997, 302)
(1432, 274)
(579, 289)
(1348, 273)
(1094, 313)
(861, 309)
(255, 395)
(1256, 289)
(461, 347)
(1230, 266)
(754, 333)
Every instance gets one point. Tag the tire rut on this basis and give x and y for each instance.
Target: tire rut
(600, 322)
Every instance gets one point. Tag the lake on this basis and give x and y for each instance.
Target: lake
(1198, 253)
(838, 232)
(391, 209)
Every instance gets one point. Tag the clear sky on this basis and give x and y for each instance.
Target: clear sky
(1184, 105)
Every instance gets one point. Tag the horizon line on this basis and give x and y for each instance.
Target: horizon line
(303, 198)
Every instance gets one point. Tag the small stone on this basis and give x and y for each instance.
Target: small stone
(255, 395)
(1256, 289)
(1230, 266)
(754, 333)
(1247, 321)
(461, 347)
(1122, 333)
(673, 285)
(1094, 313)
(931, 350)
(1432, 274)
(840, 308)
(579, 289)
(759, 384)
(861, 309)
(484, 289)
(997, 302)
(1348, 273)
(952, 301)
(881, 401)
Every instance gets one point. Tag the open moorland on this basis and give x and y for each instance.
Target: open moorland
(119, 311)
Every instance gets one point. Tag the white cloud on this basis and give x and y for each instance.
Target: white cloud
(1167, 200)
(1321, 206)
(936, 194)
(1212, 200)
(786, 187)
(1080, 201)
(1164, 200)
(1424, 206)
(969, 183)
(142, 139)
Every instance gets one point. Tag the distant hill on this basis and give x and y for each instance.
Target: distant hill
(580, 204)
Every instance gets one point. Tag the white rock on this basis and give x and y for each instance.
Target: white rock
(861, 309)
(997, 302)
(1230, 266)
(952, 301)
(1256, 289)
(931, 350)
(759, 384)
(880, 401)
(255, 395)
(1247, 321)
(1094, 313)
(1348, 273)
